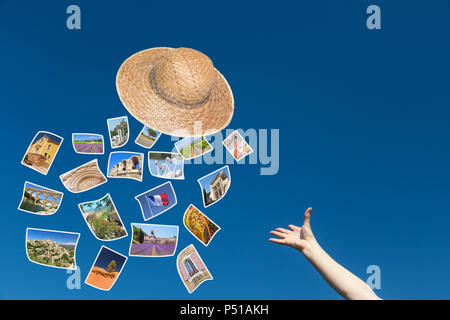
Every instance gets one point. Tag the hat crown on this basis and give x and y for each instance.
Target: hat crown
(184, 76)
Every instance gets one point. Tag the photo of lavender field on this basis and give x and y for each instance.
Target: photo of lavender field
(152, 240)
(88, 143)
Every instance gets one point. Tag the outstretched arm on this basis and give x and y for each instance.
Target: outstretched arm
(340, 279)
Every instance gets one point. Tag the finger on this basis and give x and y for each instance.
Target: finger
(293, 228)
(279, 241)
(283, 230)
(278, 234)
(307, 219)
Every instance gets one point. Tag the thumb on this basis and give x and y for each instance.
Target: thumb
(307, 219)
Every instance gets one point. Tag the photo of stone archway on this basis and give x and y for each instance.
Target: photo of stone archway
(40, 200)
(83, 178)
(123, 164)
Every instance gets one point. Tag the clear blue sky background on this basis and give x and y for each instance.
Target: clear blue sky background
(114, 122)
(83, 137)
(58, 236)
(106, 256)
(41, 134)
(364, 139)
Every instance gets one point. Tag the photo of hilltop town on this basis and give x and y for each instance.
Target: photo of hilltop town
(52, 248)
(103, 219)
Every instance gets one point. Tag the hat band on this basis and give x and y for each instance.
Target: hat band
(171, 98)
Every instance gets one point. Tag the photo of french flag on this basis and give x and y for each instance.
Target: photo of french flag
(158, 200)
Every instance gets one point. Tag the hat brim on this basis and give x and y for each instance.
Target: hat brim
(141, 101)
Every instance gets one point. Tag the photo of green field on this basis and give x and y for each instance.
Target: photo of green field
(193, 147)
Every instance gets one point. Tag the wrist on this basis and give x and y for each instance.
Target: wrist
(311, 249)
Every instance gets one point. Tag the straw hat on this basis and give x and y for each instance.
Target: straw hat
(173, 90)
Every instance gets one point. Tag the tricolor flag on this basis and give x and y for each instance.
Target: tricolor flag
(158, 200)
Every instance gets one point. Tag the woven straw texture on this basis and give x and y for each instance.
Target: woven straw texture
(175, 91)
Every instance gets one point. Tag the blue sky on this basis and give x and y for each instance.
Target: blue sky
(83, 137)
(59, 237)
(114, 122)
(106, 256)
(41, 196)
(205, 181)
(51, 136)
(364, 135)
(159, 230)
(116, 157)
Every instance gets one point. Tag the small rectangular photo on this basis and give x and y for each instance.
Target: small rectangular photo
(215, 185)
(83, 178)
(40, 200)
(237, 146)
(192, 147)
(157, 200)
(147, 137)
(124, 164)
(192, 269)
(153, 240)
(88, 143)
(103, 219)
(106, 269)
(166, 165)
(52, 248)
(201, 227)
(42, 151)
(118, 131)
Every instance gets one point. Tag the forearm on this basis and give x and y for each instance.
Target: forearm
(340, 279)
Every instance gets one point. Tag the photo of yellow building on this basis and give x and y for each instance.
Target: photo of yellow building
(42, 151)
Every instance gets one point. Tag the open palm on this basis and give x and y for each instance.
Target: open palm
(298, 237)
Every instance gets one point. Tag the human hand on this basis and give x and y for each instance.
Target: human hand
(300, 238)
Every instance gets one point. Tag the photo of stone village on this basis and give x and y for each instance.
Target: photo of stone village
(52, 248)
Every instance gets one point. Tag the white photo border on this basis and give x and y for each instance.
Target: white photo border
(174, 153)
(118, 177)
(184, 215)
(94, 160)
(97, 134)
(106, 195)
(223, 196)
(142, 210)
(46, 265)
(31, 167)
(153, 224)
(109, 131)
(23, 194)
